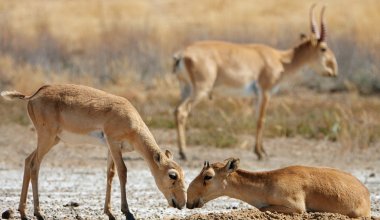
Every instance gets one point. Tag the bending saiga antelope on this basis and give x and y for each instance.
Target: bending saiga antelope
(213, 64)
(293, 189)
(66, 112)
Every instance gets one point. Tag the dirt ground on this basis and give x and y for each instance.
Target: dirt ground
(77, 174)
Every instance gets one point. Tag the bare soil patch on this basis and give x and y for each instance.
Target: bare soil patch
(256, 215)
(77, 174)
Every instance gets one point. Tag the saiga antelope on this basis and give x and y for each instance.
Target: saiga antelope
(78, 114)
(209, 65)
(293, 189)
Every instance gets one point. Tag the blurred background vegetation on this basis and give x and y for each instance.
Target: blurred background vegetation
(126, 46)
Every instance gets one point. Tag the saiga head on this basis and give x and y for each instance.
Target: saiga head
(315, 49)
(170, 179)
(210, 183)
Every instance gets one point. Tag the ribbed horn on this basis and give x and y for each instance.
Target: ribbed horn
(313, 24)
(206, 164)
(323, 26)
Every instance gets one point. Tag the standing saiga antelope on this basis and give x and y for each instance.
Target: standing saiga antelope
(293, 189)
(215, 64)
(77, 114)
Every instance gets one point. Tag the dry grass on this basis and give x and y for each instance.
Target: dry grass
(106, 39)
(125, 47)
(349, 118)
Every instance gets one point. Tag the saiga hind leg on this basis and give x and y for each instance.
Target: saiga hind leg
(201, 79)
(258, 149)
(45, 141)
(281, 209)
(25, 186)
(110, 175)
(181, 115)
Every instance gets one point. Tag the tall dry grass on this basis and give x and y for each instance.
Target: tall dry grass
(125, 47)
(106, 39)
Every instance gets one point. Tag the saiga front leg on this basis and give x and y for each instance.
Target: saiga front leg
(115, 149)
(280, 209)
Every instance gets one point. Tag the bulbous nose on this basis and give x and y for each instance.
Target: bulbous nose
(189, 205)
(181, 205)
(192, 205)
(176, 204)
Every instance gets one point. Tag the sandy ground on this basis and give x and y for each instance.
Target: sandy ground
(77, 174)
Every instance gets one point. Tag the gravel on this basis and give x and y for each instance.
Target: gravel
(73, 179)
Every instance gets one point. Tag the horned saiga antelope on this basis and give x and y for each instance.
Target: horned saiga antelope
(77, 114)
(293, 189)
(209, 65)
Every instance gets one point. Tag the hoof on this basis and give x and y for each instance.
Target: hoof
(39, 217)
(109, 214)
(111, 217)
(182, 156)
(260, 155)
(129, 216)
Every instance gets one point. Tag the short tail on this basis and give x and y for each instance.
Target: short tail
(11, 95)
(177, 62)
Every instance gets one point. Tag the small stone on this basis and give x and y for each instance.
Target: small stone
(71, 204)
(7, 214)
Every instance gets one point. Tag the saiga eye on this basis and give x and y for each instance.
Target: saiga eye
(207, 177)
(173, 176)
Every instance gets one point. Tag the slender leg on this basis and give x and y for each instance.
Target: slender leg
(115, 150)
(259, 150)
(46, 140)
(25, 186)
(201, 78)
(181, 114)
(110, 175)
(181, 119)
(280, 209)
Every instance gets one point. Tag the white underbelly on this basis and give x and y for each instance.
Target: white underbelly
(93, 138)
(96, 138)
(247, 90)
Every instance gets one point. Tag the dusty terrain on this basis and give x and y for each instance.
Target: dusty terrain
(77, 174)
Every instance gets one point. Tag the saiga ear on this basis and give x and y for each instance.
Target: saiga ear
(232, 164)
(303, 37)
(206, 165)
(157, 157)
(169, 154)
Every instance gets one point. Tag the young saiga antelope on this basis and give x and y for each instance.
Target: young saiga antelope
(209, 65)
(66, 112)
(293, 189)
